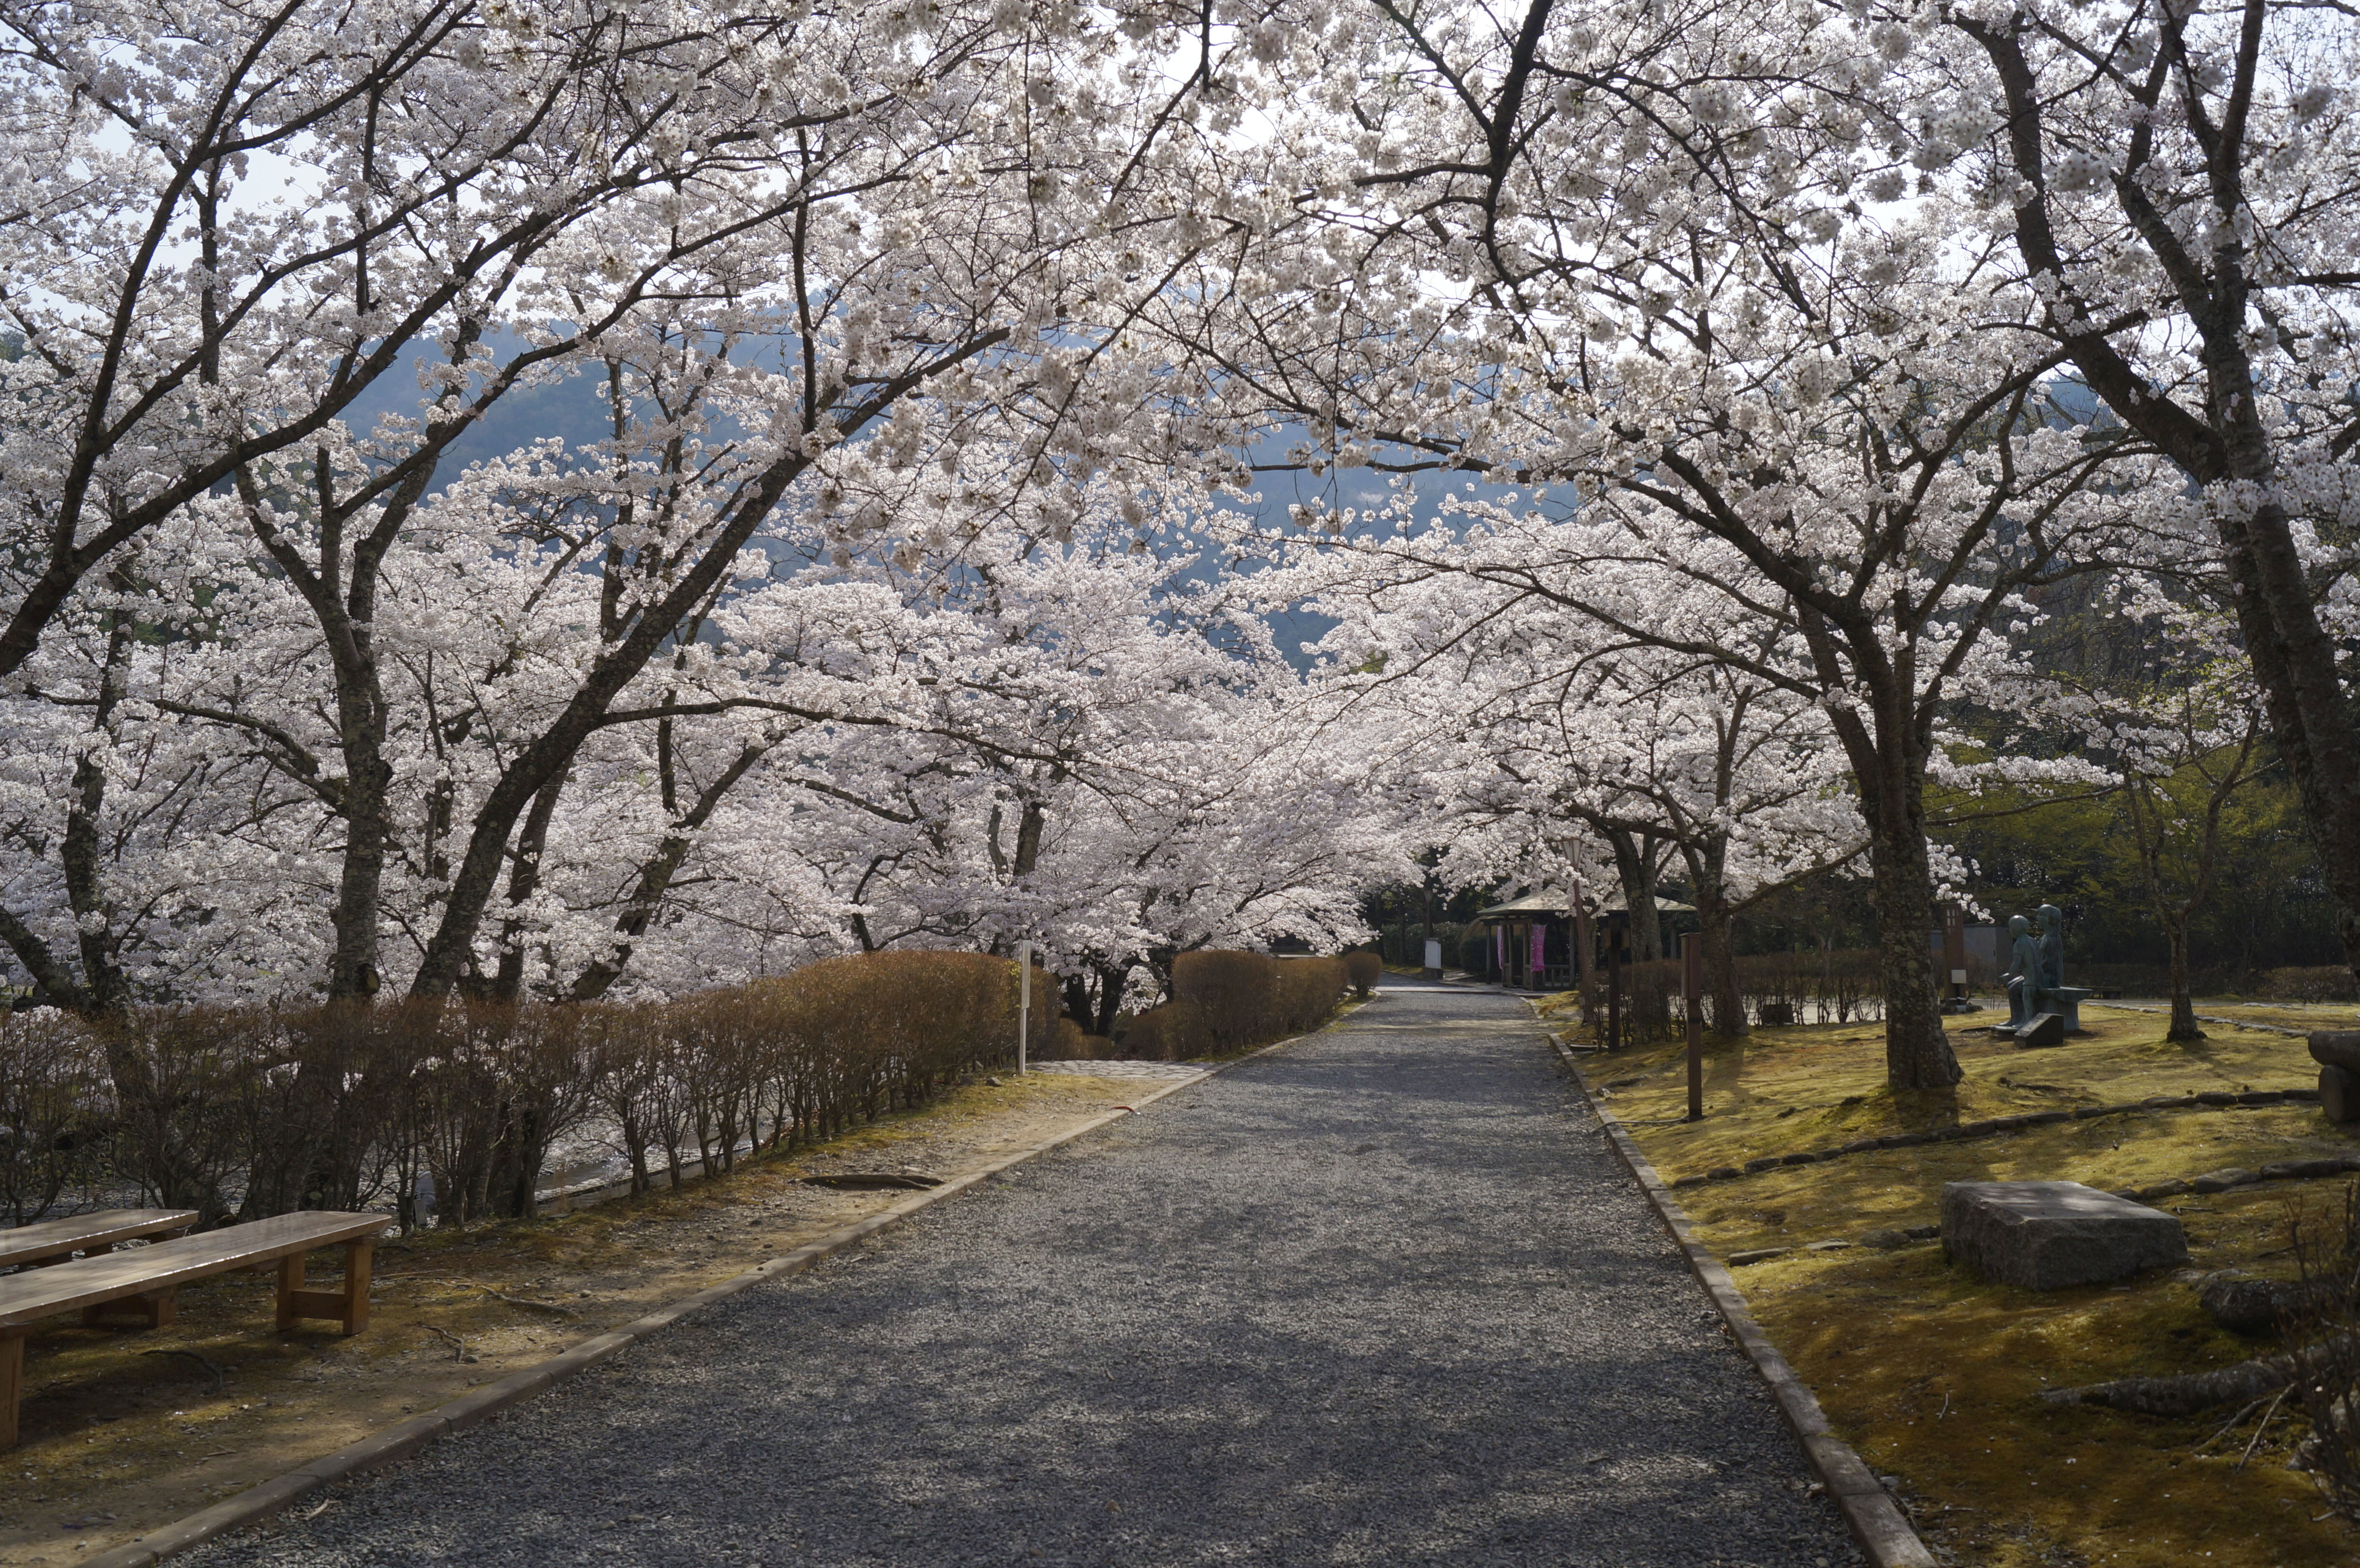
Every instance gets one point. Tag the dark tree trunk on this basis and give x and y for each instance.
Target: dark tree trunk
(1917, 1053)
(2183, 998)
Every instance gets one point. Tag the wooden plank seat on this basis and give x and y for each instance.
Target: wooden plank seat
(147, 1281)
(53, 1241)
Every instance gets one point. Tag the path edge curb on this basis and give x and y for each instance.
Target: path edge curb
(471, 1409)
(1877, 1524)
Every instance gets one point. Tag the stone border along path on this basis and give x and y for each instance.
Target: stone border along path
(1875, 1518)
(1183, 1071)
(2203, 1019)
(1368, 1299)
(2217, 1099)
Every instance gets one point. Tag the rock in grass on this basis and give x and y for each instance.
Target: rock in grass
(1884, 1239)
(2172, 1189)
(1757, 1255)
(2046, 1236)
(2046, 1029)
(1724, 1173)
(2221, 1180)
(2251, 1307)
(1764, 1162)
(2336, 1048)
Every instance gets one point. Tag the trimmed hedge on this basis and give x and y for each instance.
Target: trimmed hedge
(254, 1112)
(1223, 1003)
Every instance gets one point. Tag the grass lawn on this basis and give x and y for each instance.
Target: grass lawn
(1933, 1374)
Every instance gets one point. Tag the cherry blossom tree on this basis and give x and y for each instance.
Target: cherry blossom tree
(2168, 189)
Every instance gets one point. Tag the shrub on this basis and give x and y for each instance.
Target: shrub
(56, 1119)
(1305, 991)
(1365, 970)
(2326, 983)
(257, 1111)
(1225, 1002)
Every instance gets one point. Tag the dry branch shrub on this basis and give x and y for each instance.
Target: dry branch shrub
(1365, 969)
(1305, 991)
(1168, 1033)
(2323, 1335)
(2326, 983)
(258, 1111)
(856, 1037)
(1225, 1002)
(488, 1089)
(1228, 998)
(56, 1114)
(183, 1080)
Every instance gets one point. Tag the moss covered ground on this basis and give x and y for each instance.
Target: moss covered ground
(1933, 1374)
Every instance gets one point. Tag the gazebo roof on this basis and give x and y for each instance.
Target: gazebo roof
(1555, 901)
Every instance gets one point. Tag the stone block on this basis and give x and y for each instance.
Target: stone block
(2045, 1235)
(2048, 1029)
(2065, 1001)
(2339, 1090)
(2336, 1048)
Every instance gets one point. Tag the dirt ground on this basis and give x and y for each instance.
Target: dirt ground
(1934, 1375)
(125, 1430)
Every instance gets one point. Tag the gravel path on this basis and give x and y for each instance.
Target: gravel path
(1383, 1297)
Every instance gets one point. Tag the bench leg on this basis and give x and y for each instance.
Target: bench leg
(357, 1254)
(348, 1306)
(12, 1382)
(154, 1308)
(290, 1285)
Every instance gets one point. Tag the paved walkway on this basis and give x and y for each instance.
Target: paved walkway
(1381, 1297)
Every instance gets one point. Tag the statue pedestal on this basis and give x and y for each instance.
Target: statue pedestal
(2065, 1001)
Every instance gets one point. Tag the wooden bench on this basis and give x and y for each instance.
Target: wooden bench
(53, 1241)
(148, 1280)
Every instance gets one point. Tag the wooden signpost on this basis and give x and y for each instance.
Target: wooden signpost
(1692, 988)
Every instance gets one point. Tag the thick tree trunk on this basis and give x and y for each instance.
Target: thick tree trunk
(1634, 867)
(2183, 999)
(1727, 1007)
(1917, 1053)
(1112, 978)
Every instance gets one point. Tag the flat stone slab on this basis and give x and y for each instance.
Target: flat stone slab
(2046, 1236)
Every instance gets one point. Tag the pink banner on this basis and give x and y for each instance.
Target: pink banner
(1540, 948)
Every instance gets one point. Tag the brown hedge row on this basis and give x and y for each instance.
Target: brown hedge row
(253, 1112)
(1226, 1002)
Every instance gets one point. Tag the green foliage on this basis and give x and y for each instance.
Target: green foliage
(2269, 905)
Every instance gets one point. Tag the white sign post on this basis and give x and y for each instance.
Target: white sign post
(1023, 1002)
